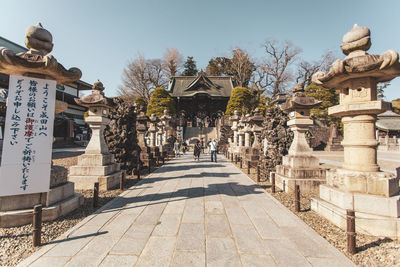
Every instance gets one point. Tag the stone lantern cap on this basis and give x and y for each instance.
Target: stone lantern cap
(299, 100)
(235, 116)
(96, 98)
(359, 64)
(280, 98)
(37, 62)
(257, 118)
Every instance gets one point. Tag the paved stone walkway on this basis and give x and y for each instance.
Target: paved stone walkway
(191, 213)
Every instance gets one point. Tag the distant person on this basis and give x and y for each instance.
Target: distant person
(184, 147)
(202, 146)
(196, 151)
(213, 150)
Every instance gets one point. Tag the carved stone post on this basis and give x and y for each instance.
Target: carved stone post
(359, 185)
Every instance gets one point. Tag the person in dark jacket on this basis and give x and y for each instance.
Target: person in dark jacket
(196, 151)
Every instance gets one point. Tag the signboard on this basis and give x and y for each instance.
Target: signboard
(28, 136)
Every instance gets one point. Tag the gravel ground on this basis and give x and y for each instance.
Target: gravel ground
(371, 251)
(16, 242)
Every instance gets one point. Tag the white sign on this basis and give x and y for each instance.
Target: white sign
(28, 136)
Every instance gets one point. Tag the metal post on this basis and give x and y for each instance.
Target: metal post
(158, 162)
(236, 159)
(138, 171)
(248, 167)
(241, 163)
(272, 182)
(297, 198)
(149, 166)
(258, 173)
(283, 185)
(231, 157)
(163, 160)
(351, 232)
(37, 225)
(121, 180)
(96, 194)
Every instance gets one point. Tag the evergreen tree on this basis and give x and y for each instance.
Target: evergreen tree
(241, 99)
(190, 68)
(159, 101)
(329, 98)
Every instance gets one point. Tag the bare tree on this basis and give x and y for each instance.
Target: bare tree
(140, 77)
(172, 62)
(241, 67)
(306, 69)
(275, 73)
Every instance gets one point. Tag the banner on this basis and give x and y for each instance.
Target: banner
(28, 136)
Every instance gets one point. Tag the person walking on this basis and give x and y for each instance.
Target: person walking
(213, 150)
(196, 151)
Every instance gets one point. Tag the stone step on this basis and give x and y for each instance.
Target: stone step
(21, 217)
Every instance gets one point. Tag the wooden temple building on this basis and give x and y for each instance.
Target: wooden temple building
(202, 96)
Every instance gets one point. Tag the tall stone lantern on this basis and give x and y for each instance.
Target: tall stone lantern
(360, 185)
(153, 129)
(168, 129)
(141, 126)
(234, 148)
(97, 164)
(254, 125)
(241, 132)
(299, 166)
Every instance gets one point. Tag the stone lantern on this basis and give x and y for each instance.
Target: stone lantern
(299, 166)
(257, 120)
(168, 129)
(254, 125)
(360, 185)
(247, 131)
(241, 132)
(141, 126)
(97, 164)
(234, 148)
(153, 129)
(37, 62)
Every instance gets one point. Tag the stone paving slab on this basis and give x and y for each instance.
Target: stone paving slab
(190, 213)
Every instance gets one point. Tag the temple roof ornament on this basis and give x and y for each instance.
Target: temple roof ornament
(358, 62)
(37, 62)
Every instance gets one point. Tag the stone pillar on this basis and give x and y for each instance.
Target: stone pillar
(359, 185)
(97, 164)
(141, 127)
(234, 148)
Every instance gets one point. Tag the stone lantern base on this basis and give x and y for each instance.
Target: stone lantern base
(59, 201)
(93, 168)
(374, 196)
(299, 170)
(251, 155)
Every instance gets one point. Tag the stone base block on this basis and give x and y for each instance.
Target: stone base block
(364, 203)
(27, 201)
(21, 217)
(95, 159)
(298, 162)
(367, 221)
(58, 176)
(374, 183)
(287, 184)
(301, 173)
(86, 182)
(94, 170)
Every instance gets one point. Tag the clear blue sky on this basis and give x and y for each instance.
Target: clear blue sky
(101, 36)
